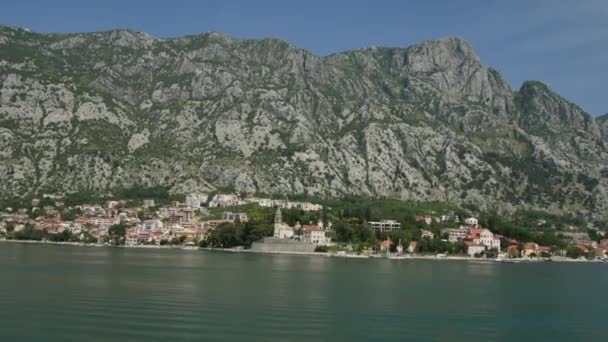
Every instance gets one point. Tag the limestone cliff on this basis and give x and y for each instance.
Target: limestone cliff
(96, 111)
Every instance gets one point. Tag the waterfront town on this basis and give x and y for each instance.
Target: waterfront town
(204, 221)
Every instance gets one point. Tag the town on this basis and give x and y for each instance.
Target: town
(231, 221)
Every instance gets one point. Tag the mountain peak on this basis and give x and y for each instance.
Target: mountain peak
(445, 53)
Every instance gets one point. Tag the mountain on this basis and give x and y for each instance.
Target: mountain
(99, 111)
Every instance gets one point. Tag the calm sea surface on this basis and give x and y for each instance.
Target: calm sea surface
(51, 293)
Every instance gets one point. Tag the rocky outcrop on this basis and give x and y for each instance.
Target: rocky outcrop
(101, 110)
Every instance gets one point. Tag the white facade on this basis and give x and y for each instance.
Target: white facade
(487, 239)
(316, 237)
(471, 221)
(148, 203)
(455, 234)
(385, 225)
(225, 200)
(195, 201)
(473, 249)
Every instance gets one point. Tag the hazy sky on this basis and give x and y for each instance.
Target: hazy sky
(561, 42)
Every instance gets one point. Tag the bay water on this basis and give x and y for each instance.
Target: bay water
(65, 293)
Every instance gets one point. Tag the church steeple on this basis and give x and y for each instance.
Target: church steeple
(278, 218)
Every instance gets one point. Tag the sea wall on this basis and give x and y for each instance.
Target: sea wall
(274, 245)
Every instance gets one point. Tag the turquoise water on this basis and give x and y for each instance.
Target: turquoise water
(51, 293)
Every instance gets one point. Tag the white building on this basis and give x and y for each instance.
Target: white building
(455, 234)
(427, 234)
(315, 236)
(148, 203)
(153, 225)
(195, 201)
(471, 221)
(485, 238)
(225, 200)
(242, 217)
(474, 248)
(385, 225)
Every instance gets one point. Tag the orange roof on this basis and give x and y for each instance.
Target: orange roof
(544, 248)
(413, 243)
(310, 227)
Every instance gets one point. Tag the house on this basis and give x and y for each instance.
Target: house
(195, 201)
(412, 246)
(529, 248)
(426, 219)
(471, 221)
(148, 203)
(385, 225)
(484, 237)
(604, 242)
(513, 251)
(242, 217)
(315, 235)
(455, 234)
(427, 234)
(474, 249)
(153, 225)
(601, 252)
(543, 250)
(385, 246)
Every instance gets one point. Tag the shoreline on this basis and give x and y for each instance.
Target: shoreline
(318, 254)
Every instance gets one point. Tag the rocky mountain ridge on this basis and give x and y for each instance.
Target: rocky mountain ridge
(97, 111)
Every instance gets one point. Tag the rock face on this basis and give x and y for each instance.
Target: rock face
(101, 110)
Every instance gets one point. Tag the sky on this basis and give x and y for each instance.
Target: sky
(563, 43)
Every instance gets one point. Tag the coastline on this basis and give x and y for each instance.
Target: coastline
(318, 254)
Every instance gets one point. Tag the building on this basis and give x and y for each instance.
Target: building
(455, 234)
(225, 200)
(315, 235)
(195, 201)
(528, 249)
(427, 234)
(153, 225)
(148, 203)
(426, 219)
(484, 237)
(281, 229)
(471, 221)
(385, 225)
(242, 217)
(474, 249)
(385, 246)
(412, 246)
(176, 215)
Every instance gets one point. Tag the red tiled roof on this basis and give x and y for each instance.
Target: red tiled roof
(310, 227)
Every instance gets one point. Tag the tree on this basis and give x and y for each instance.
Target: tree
(574, 252)
(117, 233)
(343, 232)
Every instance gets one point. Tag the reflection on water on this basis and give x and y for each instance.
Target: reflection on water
(98, 294)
